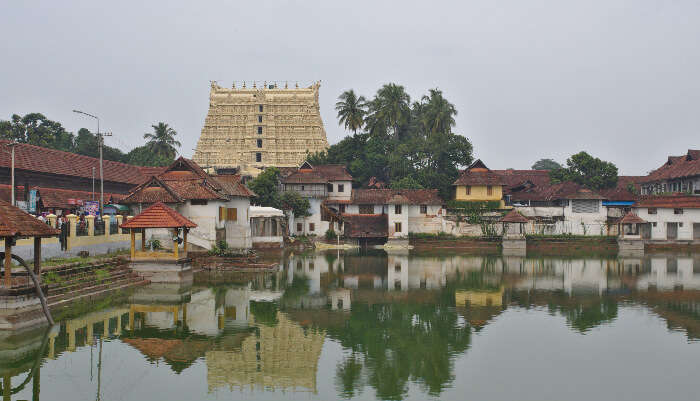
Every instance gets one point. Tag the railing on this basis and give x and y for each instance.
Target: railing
(113, 227)
(310, 193)
(81, 228)
(99, 227)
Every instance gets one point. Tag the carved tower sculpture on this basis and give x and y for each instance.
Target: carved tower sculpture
(252, 128)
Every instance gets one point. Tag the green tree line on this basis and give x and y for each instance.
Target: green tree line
(160, 148)
(405, 144)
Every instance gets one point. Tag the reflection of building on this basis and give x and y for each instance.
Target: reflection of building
(479, 298)
(284, 356)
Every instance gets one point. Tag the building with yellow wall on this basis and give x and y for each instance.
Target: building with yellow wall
(479, 183)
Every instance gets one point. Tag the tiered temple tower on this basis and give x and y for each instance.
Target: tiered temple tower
(252, 128)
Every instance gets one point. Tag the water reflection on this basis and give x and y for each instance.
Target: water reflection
(389, 324)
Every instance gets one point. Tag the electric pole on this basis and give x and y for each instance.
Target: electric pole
(100, 142)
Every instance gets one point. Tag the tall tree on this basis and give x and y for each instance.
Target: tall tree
(351, 110)
(36, 129)
(586, 170)
(389, 110)
(437, 115)
(546, 164)
(162, 141)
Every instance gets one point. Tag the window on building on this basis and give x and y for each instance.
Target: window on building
(228, 213)
(260, 108)
(260, 130)
(397, 267)
(300, 227)
(397, 209)
(341, 208)
(258, 157)
(341, 188)
(199, 202)
(653, 224)
(366, 209)
(302, 187)
(330, 187)
(424, 209)
(259, 119)
(677, 211)
(260, 143)
(312, 227)
(585, 205)
(312, 266)
(397, 227)
(300, 265)
(468, 190)
(651, 210)
(489, 190)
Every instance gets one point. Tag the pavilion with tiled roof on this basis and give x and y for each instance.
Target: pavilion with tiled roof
(14, 224)
(158, 216)
(631, 222)
(513, 217)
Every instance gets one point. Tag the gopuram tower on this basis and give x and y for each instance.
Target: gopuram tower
(252, 128)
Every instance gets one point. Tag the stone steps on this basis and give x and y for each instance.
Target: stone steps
(87, 280)
(121, 282)
(102, 292)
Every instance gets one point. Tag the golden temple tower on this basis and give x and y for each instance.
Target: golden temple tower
(251, 128)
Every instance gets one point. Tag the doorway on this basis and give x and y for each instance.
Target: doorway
(671, 230)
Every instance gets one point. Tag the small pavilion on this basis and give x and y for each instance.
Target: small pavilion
(513, 217)
(629, 226)
(17, 224)
(159, 216)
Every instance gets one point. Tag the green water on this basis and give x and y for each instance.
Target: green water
(380, 326)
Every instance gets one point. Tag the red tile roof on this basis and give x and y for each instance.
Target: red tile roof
(678, 201)
(233, 185)
(15, 222)
(687, 165)
(366, 225)
(58, 197)
(185, 180)
(513, 217)
(51, 161)
(396, 196)
(621, 191)
(320, 174)
(159, 216)
(479, 174)
(631, 218)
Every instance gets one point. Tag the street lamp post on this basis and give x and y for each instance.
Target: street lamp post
(100, 141)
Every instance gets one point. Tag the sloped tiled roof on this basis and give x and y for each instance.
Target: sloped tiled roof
(233, 185)
(687, 165)
(677, 201)
(366, 225)
(631, 218)
(320, 174)
(16, 222)
(184, 180)
(479, 174)
(51, 161)
(159, 216)
(621, 191)
(396, 196)
(513, 217)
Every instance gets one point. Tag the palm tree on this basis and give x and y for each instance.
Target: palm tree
(162, 142)
(351, 110)
(439, 114)
(390, 109)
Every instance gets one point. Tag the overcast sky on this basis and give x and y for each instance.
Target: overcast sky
(530, 78)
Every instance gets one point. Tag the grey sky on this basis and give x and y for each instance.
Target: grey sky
(530, 79)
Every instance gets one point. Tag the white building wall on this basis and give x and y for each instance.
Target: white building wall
(667, 215)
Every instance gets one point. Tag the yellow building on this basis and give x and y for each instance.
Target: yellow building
(479, 183)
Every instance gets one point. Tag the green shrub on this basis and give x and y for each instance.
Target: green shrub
(101, 275)
(331, 235)
(155, 244)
